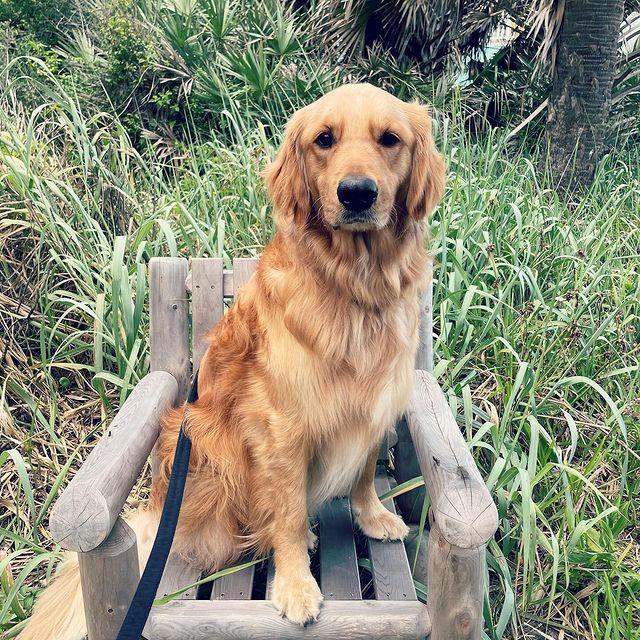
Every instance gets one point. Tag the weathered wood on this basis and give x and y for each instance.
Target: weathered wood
(424, 356)
(109, 575)
(258, 620)
(390, 567)
(406, 468)
(339, 574)
(178, 574)
(243, 269)
(169, 308)
(88, 508)
(455, 586)
(414, 543)
(207, 302)
(235, 586)
(460, 502)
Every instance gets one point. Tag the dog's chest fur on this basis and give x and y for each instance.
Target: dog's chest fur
(349, 371)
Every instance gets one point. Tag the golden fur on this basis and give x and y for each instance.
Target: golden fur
(313, 363)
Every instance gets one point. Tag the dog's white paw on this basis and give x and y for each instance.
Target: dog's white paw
(297, 598)
(382, 524)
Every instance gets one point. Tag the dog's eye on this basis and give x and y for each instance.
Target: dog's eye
(388, 139)
(324, 140)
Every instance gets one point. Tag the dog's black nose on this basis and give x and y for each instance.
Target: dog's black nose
(357, 193)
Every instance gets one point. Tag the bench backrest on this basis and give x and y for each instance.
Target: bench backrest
(177, 295)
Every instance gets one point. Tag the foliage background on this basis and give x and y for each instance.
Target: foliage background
(133, 128)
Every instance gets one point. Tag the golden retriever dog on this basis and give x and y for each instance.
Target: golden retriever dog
(313, 364)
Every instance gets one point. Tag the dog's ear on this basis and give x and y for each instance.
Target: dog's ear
(426, 183)
(286, 177)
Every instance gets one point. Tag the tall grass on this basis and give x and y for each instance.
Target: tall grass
(537, 305)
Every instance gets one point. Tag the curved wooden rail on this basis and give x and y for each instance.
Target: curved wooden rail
(464, 515)
(88, 508)
(460, 501)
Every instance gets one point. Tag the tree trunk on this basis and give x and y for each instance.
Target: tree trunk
(581, 93)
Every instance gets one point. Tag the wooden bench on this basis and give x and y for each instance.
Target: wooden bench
(86, 517)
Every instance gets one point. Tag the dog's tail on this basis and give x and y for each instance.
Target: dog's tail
(59, 613)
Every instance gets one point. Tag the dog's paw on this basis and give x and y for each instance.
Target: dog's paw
(298, 599)
(382, 524)
(312, 540)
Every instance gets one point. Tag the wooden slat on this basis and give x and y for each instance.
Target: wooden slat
(424, 356)
(109, 575)
(460, 502)
(85, 513)
(339, 575)
(271, 574)
(169, 308)
(178, 574)
(407, 468)
(207, 302)
(235, 586)
(414, 543)
(258, 620)
(391, 573)
(243, 269)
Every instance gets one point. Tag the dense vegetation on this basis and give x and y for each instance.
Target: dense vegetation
(135, 129)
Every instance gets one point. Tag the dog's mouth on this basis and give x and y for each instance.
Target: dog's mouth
(366, 220)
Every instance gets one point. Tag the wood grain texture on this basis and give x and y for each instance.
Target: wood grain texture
(169, 308)
(424, 356)
(178, 574)
(455, 586)
(339, 574)
(109, 576)
(460, 502)
(207, 302)
(235, 586)
(243, 269)
(258, 620)
(88, 508)
(391, 573)
(406, 468)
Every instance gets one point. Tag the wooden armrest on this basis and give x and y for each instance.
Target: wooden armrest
(460, 501)
(87, 510)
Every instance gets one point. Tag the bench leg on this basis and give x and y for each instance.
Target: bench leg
(455, 583)
(109, 575)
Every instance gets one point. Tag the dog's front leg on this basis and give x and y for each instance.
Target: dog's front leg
(296, 594)
(371, 515)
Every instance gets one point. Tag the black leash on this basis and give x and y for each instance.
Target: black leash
(145, 594)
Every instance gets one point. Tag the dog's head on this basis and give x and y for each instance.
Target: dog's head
(356, 160)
